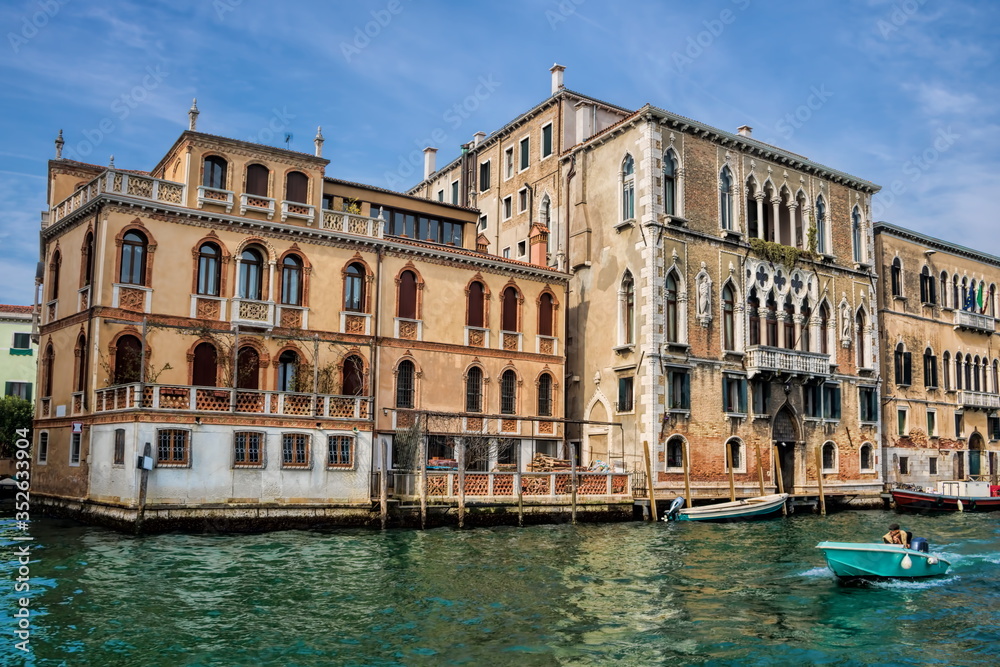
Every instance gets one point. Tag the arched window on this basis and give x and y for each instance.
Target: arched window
(88, 259)
(48, 364)
(805, 337)
(407, 307)
(81, 364)
(996, 376)
(128, 360)
(248, 368)
(405, 389)
(509, 310)
(958, 371)
(901, 365)
(257, 177)
(209, 269)
(545, 211)
(956, 297)
(867, 462)
(824, 329)
(628, 188)
(474, 390)
(545, 312)
(990, 307)
(728, 318)
(628, 309)
(297, 187)
(927, 286)
(856, 235)
(670, 303)
(861, 324)
(771, 322)
(726, 198)
(820, 224)
(251, 274)
(353, 376)
(288, 364)
(976, 374)
(930, 368)
(946, 370)
(475, 315)
(944, 289)
(896, 276)
(545, 395)
(291, 280)
(214, 173)
(788, 324)
(133, 264)
(205, 365)
(968, 372)
(675, 452)
(829, 456)
(54, 275)
(753, 317)
(735, 453)
(669, 183)
(508, 393)
(354, 288)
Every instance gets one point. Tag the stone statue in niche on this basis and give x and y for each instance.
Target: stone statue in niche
(703, 285)
(845, 323)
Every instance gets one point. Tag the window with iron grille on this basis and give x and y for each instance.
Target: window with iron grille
(294, 450)
(508, 393)
(545, 395)
(248, 448)
(119, 447)
(173, 447)
(74, 450)
(404, 385)
(43, 447)
(625, 394)
(340, 452)
(474, 390)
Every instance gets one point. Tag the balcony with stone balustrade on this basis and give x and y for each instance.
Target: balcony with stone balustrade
(966, 319)
(126, 184)
(978, 400)
(778, 360)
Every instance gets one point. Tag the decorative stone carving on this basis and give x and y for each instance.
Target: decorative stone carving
(132, 299)
(703, 283)
(846, 325)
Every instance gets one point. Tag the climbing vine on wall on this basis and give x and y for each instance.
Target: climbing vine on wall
(777, 253)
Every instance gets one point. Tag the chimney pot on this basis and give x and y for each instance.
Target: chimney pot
(478, 138)
(745, 130)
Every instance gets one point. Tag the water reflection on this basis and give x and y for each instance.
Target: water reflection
(544, 595)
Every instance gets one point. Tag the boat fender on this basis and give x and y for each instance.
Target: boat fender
(675, 507)
(906, 563)
(932, 561)
(961, 508)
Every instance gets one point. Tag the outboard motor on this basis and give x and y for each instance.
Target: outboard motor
(674, 508)
(920, 544)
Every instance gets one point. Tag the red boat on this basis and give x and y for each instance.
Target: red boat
(952, 497)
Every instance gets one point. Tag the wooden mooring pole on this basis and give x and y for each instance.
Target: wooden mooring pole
(461, 484)
(147, 453)
(383, 483)
(778, 478)
(649, 483)
(732, 478)
(519, 484)
(687, 473)
(760, 468)
(572, 482)
(819, 480)
(423, 481)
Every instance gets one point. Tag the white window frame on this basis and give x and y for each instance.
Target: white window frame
(455, 194)
(522, 248)
(520, 147)
(484, 222)
(75, 448)
(742, 467)
(38, 456)
(836, 456)
(508, 163)
(479, 175)
(522, 200)
(666, 453)
(906, 421)
(441, 195)
(541, 141)
(507, 208)
(930, 412)
(870, 446)
(506, 252)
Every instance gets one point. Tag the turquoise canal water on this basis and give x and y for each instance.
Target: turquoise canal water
(613, 594)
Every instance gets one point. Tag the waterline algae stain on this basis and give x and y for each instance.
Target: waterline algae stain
(610, 594)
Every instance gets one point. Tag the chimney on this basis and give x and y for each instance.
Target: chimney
(429, 159)
(745, 130)
(538, 240)
(584, 121)
(478, 139)
(557, 77)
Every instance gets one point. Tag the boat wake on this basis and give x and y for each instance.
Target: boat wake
(913, 584)
(817, 572)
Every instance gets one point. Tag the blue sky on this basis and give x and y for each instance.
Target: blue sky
(902, 93)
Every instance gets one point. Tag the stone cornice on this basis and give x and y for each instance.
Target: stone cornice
(935, 243)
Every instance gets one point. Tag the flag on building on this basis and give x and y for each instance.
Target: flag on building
(979, 297)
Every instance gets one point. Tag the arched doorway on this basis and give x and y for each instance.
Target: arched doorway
(248, 368)
(128, 360)
(785, 435)
(976, 454)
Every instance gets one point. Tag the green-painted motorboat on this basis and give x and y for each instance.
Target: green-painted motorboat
(851, 560)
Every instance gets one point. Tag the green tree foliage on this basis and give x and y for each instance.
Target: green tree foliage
(15, 413)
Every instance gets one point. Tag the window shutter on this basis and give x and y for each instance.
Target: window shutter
(743, 395)
(686, 395)
(8, 389)
(27, 392)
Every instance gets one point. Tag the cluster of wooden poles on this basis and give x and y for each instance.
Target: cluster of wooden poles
(685, 464)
